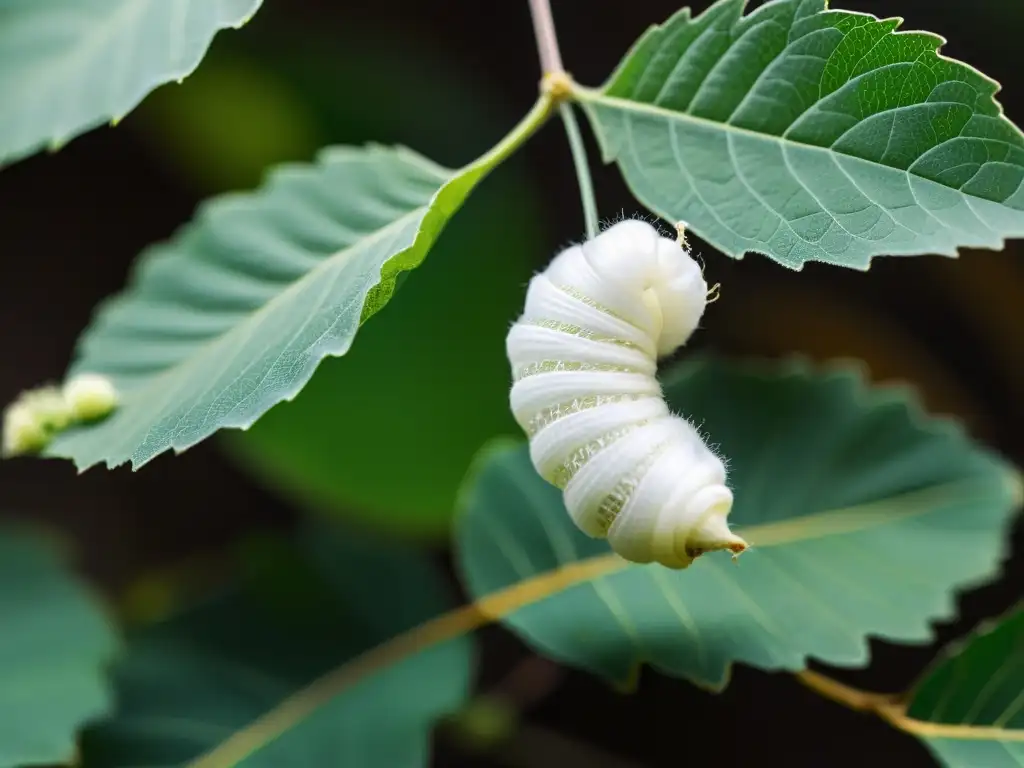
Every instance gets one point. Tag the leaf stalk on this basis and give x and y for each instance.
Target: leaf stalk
(580, 161)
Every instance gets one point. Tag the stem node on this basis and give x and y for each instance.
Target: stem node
(558, 86)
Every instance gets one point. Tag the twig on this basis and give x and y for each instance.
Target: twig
(455, 623)
(557, 83)
(547, 41)
(853, 698)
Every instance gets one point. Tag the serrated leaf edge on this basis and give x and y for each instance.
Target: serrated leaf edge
(587, 97)
(377, 295)
(54, 143)
(482, 612)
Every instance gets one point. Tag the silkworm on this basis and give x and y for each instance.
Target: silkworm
(584, 362)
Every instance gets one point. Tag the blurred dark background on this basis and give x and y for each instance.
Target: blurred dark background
(449, 79)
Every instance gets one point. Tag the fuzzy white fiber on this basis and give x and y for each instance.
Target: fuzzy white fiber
(584, 359)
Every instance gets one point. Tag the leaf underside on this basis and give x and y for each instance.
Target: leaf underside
(432, 364)
(863, 516)
(808, 134)
(978, 683)
(189, 683)
(67, 66)
(54, 649)
(233, 315)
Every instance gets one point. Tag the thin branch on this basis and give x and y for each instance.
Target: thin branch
(547, 40)
(557, 83)
(501, 603)
(854, 698)
(892, 708)
(579, 159)
(455, 623)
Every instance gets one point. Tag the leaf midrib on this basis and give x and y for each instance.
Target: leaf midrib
(859, 517)
(953, 732)
(153, 384)
(590, 96)
(267, 307)
(108, 29)
(445, 178)
(485, 610)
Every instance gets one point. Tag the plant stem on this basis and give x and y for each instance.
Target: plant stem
(579, 159)
(515, 138)
(558, 84)
(547, 41)
(854, 698)
(455, 623)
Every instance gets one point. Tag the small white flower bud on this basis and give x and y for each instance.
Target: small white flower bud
(23, 431)
(90, 396)
(49, 406)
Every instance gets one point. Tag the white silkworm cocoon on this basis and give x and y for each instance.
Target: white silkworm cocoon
(584, 359)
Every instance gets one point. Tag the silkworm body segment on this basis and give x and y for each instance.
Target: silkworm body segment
(584, 362)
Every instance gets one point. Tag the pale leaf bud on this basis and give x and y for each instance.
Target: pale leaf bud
(49, 407)
(90, 396)
(23, 431)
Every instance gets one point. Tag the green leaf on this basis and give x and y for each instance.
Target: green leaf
(54, 648)
(811, 135)
(223, 127)
(969, 707)
(421, 404)
(234, 314)
(189, 684)
(67, 66)
(426, 385)
(862, 517)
